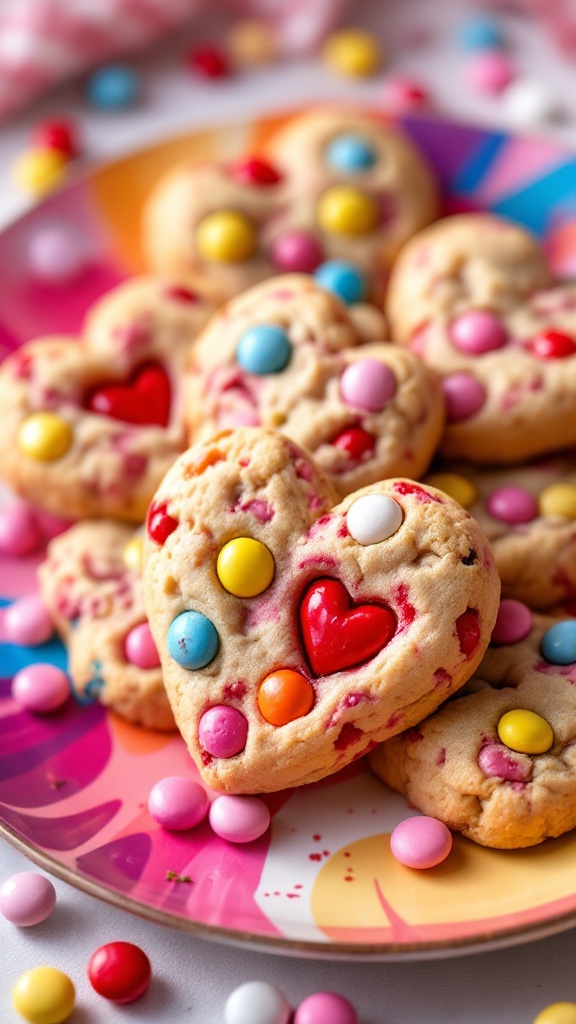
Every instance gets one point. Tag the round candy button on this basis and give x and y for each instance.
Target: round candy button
(38, 171)
(367, 384)
(559, 643)
(45, 436)
(140, 649)
(373, 518)
(343, 279)
(356, 442)
(57, 254)
(513, 622)
(455, 486)
(257, 1002)
(264, 349)
(296, 252)
(44, 995)
(512, 505)
(19, 531)
(481, 32)
(350, 154)
(477, 331)
(27, 898)
(525, 732)
(558, 500)
(27, 622)
(490, 71)
(193, 640)
(55, 134)
(226, 236)
(322, 1007)
(132, 553)
(40, 688)
(285, 695)
(421, 842)
(353, 53)
(346, 210)
(223, 731)
(552, 345)
(557, 1013)
(253, 171)
(239, 819)
(115, 87)
(464, 396)
(178, 803)
(119, 971)
(245, 567)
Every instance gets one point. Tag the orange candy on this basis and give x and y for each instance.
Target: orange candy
(285, 695)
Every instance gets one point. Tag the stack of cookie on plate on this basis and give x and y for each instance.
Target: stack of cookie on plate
(302, 592)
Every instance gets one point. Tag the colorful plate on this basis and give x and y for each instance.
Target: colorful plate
(73, 787)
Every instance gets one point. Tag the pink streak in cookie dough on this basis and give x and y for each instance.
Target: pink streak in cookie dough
(442, 677)
(342, 530)
(554, 301)
(496, 761)
(258, 508)
(132, 337)
(352, 700)
(406, 612)
(98, 571)
(567, 671)
(413, 736)
(440, 757)
(394, 719)
(261, 611)
(419, 340)
(282, 294)
(314, 502)
(235, 690)
(21, 365)
(303, 470)
(404, 487)
(349, 735)
(134, 465)
(318, 560)
(519, 391)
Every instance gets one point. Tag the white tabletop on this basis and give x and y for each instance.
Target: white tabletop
(192, 978)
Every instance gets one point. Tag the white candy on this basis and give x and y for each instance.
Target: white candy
(257, 1002)
(528, 103)
(373, 518)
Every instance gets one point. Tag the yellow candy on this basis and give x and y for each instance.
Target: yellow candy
(39, 170)
(226, 237)
(44, 995)
(557, 1013)
(45, 436)
(455, 486)
(558, 500)
(345, 210)
(353, 53)
(526, 732)
(132, 553)
(245, 567)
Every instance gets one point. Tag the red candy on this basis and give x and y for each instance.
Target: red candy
(552, 345)
(119, 971)
(253, 171)
(339, 634)
(208, 62)
(468, 630)
(144, 400)
(355, 441)
(58, 135)
(159, 524)
(180, 294)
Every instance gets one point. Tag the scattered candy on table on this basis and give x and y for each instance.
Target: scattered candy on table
(257, 1002)
(178, 803)
(456, 486)
(557, 1013)
(27, 898)
(41, 688)
(209, 62)
(57, 254)
(325, 1008)
(558, 500)
(420, 842)
(44, 995)
(120, 972)
(239, 819)
(38, 171)
(114, 87)
(512, 505)
(528, 104)
(27, 622)
(513, 623)
(481, 32)
(490, 71)
(20, 533)
(57, 134)
(353, 53)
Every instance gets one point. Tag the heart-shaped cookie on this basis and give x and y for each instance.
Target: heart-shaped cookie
(294, 635)
(90, 425)
(473, 296)
(332, 184)
(91, 583)
(498, 762)
(286, 354)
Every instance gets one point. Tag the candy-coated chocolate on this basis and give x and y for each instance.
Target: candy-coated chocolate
(296, 252)
(350, 154)
(20, 532)
(512, 505)
(27, 622)
(239, 819)
(209, 62)
(119, 971)
(458, 487)
(159, 523)
(481, 32)
(226, 236)
(559, 643)
(144, 399)
(402, 94)
(552, 345)
(525, 732)
(193, 640)
(44, 995)
(557, 1013)
(245, 567)
(353, 53)
(513, 623)
(223, 731)
(324, 1007)
(139, 647)
(421, 842)
(464, 395)
(356, 442)
(38, 171)
(339, 634)
(27, 898)
(264, 349)
(57, 254)
(477, 331)
(285, 695)
(373, 518)
(45, 436)
(344, 279)
(40, 688)
(56, 134)
(558, 500)
(178, 803)
(132, 553)
(528, 102)
(490, 71)
(115, 87)
(257, 1002)
(347, 210)
(368, 384)
(254, 171)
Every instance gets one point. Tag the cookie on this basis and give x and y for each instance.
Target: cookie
(333, 183)
(89, 426)
(287, 354)
(91, 584)
(473, 296)
(498, 762)
(528, 514)
(295, 633)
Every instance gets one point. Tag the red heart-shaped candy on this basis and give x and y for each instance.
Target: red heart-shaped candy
(143, 400)
(339, 634)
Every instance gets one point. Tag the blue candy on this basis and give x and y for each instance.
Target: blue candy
(350, 153)
(193, 640)
(114, 87)
(343, 279)
(559, 643)
(481, 32)
(264, 349)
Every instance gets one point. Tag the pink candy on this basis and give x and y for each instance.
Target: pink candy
(464, 396)
(496, 761)
(223, 731)
(402, 94)
(57, 254)
(139, 647)
(178, 803)
(477, 332)
(325, 1008)
(19, 531)
(421, 842)
(367, 384)
(512, 505)
(27, 898)
(239, 819)
(40, 688)
(513, 623)
(27, 622)
(296, 252)
(490, 71)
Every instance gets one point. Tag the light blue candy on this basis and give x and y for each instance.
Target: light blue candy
(193, 640)
(481, 32)
(559, 643)
(264, 349)
(350, 153)
(114, 87)
(343, 279)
